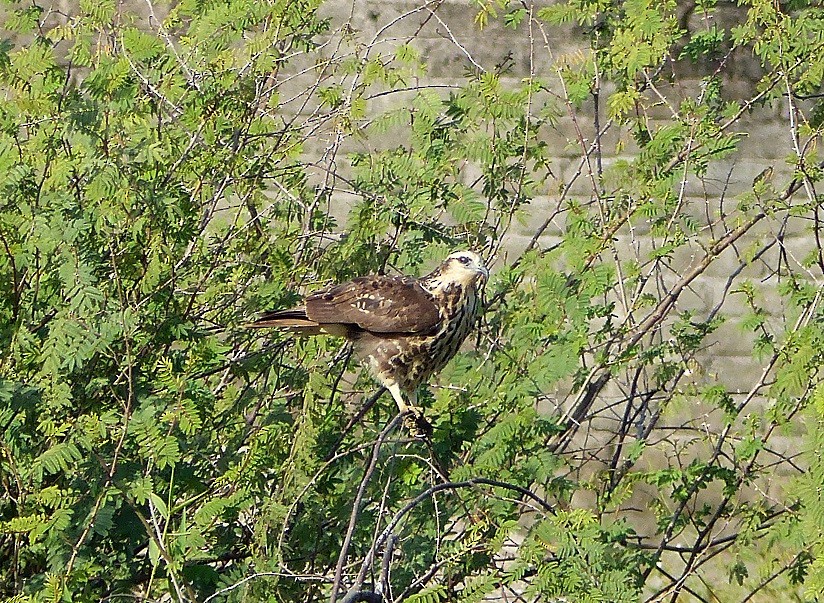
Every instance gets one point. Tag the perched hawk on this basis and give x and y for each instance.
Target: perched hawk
(404, 328)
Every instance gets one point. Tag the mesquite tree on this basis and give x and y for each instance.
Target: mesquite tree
(168, 170)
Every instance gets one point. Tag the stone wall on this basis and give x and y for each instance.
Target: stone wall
(452, 43)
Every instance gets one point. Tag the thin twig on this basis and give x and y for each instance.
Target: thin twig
(356, 505)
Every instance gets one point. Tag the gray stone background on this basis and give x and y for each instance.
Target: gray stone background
(452, 43)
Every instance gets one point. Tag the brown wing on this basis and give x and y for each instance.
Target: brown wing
(380, 304)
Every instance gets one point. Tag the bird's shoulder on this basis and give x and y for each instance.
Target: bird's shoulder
(377, 303)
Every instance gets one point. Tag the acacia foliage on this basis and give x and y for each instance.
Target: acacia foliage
(166, 175)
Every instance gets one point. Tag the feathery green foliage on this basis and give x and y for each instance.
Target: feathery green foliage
(170, 170)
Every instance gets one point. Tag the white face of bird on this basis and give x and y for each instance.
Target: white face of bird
(465, 267)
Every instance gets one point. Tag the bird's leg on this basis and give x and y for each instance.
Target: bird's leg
(395, 390)
(415, 421)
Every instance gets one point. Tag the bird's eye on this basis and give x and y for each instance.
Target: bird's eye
(464, 260)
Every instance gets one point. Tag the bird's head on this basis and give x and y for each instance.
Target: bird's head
(465, 267)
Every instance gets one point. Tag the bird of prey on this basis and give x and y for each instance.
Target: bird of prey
(404, 328)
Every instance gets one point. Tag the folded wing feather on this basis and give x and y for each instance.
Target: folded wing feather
(378, 304)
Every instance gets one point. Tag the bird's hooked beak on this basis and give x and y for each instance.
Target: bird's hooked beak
(480, 267)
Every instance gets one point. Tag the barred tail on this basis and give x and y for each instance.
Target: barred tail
(291, 320)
